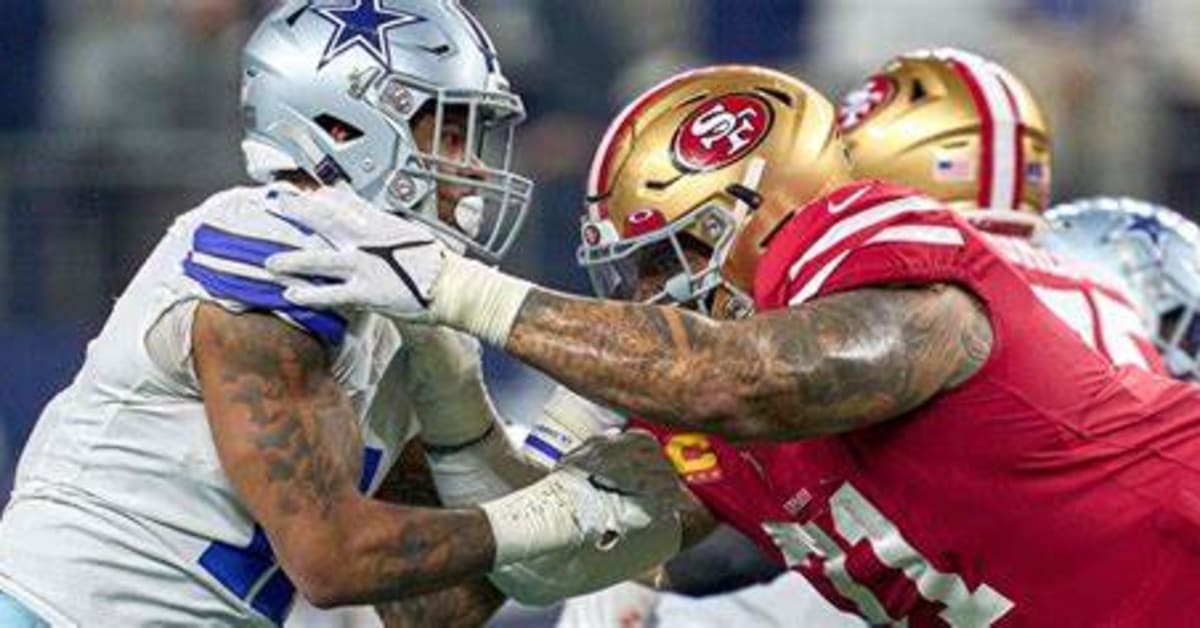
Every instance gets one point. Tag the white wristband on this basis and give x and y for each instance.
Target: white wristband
(566, 421)
(532, 521)
(477, 299)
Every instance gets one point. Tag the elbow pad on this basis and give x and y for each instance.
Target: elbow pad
(566, 573)
(567, 420)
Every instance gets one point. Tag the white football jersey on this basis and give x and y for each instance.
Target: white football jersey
(121, 514)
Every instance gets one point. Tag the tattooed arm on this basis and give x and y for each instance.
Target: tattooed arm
(468, 604)
(286, 437)
(832, 365)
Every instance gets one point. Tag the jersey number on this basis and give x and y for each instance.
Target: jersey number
(253, 574)
(1111, 327)
(855, 520)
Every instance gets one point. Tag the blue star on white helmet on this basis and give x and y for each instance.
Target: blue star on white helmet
(1150, 227)
(362, 24)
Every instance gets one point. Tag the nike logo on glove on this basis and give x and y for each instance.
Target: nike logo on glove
(389, 255)
(602, 483)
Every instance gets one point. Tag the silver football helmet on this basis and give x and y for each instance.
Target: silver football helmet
(1154, 252)
(335, 88)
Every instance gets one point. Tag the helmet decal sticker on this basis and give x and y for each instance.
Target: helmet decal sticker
(862, 103)
(364, 24)
(721, 131)
(644, 221)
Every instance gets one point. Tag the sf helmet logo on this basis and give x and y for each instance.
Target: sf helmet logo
(863, 102)
(721, 131)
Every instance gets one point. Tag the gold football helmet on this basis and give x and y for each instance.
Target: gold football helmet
(693, 178)
(954, 125)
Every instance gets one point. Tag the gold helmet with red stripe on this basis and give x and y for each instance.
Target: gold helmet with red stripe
(693, 178)
(954, 125)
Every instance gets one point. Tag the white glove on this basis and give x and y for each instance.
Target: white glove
(396, 267)
(567, 508)
(631, 463)
(381, 262)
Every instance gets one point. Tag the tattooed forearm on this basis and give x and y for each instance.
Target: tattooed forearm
(288, 440)
(835, 364)
(273, 381)
(468, 604)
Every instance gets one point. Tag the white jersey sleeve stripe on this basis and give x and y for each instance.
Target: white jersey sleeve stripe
(813, 285)
(920, 234)
(859, 222)
(934, 235)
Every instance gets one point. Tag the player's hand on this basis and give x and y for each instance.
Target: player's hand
(396, 267)
(379, 261)
(630, 464)
(568, 508)
(604, 512)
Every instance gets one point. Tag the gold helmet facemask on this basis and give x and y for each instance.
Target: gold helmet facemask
(953, 125)
(694, 177)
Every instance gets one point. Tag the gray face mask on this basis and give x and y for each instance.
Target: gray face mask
(618, 267)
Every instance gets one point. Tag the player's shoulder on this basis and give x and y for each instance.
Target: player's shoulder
(229, 238)
(256, 213)
(820, 234)
(849, 210)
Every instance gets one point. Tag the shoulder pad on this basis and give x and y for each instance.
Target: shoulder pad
(235, 234)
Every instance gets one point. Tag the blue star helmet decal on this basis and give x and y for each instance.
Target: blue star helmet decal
(364, 24)
(1150, 227)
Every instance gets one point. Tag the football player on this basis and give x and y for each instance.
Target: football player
(1154, 252)
(222, 449)
(879, 398)
(966, 131)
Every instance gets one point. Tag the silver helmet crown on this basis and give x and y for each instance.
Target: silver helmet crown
(370, 69)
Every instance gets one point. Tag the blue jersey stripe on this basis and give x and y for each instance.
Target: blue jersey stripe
(275, 598)
(236, 247)
(328, 327)
(371, 458)
(296, 224)
(239, 568)
(534, 442)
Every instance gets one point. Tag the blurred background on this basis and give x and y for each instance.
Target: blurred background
(117, 115)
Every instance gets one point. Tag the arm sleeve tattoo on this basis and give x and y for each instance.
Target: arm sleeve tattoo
(287, 438)
(469, 604)
(831, 365)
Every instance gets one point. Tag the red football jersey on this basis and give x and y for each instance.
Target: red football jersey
(1101, 313)
(1051, 488)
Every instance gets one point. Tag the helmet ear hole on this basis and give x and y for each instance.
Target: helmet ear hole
(918, 91)
(338, 129)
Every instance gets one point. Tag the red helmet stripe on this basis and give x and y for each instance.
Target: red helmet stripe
(998, 129)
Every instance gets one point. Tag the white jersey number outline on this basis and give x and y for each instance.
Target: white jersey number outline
(856, 519)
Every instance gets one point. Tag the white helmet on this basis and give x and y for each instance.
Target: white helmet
(1155, 252)
(368, 68)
